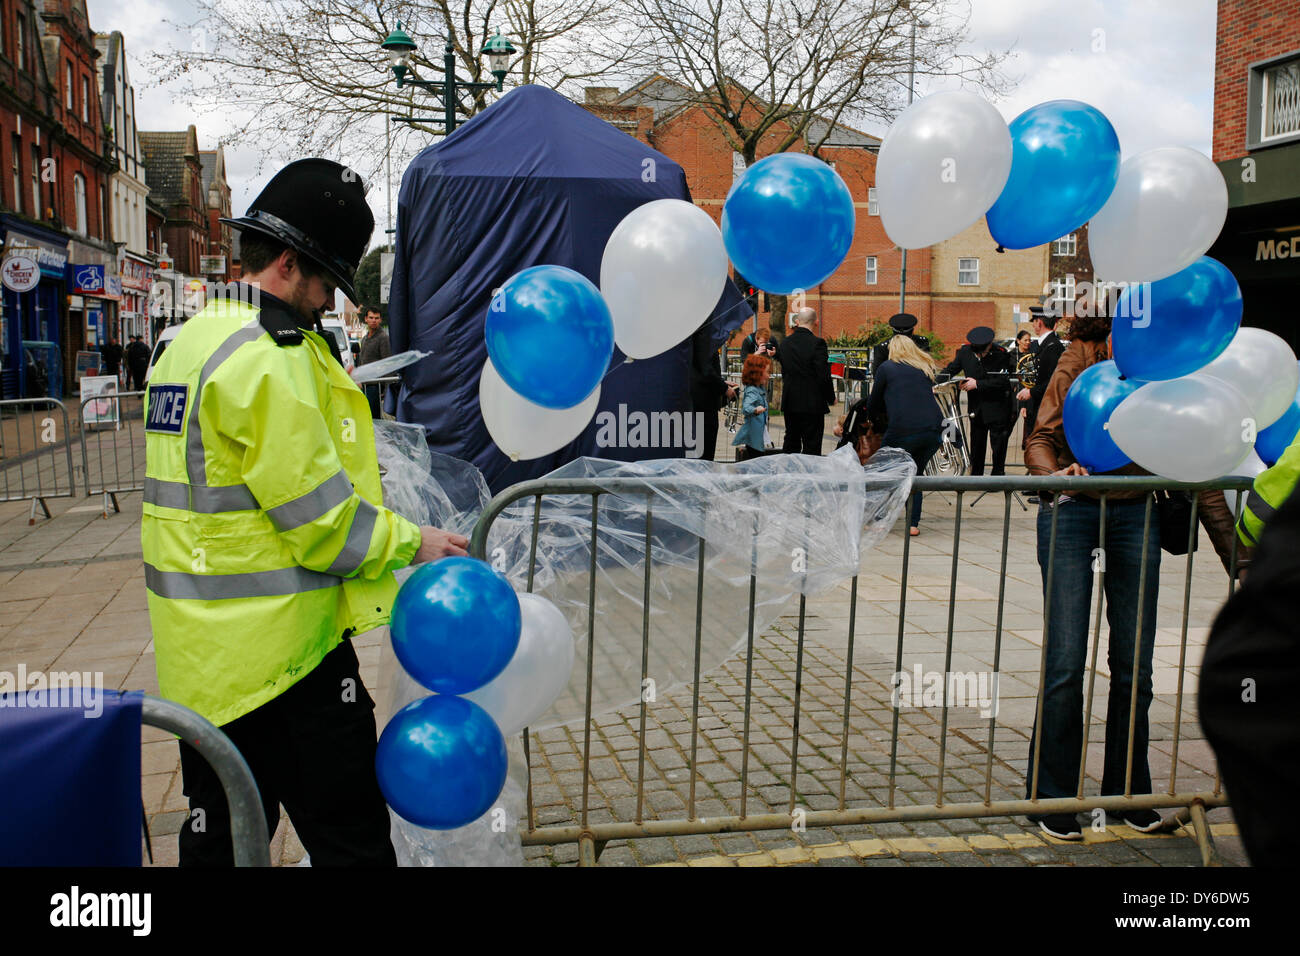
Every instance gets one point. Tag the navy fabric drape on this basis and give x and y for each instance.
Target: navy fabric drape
(534, 179)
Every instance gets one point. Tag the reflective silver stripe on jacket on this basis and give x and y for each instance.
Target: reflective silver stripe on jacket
(202, 499)
(195, 465)
(325, 497)
(181, 585)
(1260, 508)
(358, 543)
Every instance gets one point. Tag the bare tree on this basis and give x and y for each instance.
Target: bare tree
(776, 73)
(309, 78)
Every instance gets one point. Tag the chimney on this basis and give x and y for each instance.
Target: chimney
(600, 95)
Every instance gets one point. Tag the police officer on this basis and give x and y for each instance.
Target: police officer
(266, 542)
(988, 396)
(903, 323)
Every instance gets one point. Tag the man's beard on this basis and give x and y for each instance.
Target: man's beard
(301, 305)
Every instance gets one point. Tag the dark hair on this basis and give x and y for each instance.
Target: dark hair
(258, 250)
(1090, 328)
(365, 311)
(1022, 334)
(755, 366)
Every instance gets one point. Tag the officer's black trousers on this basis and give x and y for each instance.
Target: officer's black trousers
(313, 750)
(980, 435)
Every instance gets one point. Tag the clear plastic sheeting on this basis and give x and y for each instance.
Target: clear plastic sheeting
(794, 524)
(383, 367)
(774, 528)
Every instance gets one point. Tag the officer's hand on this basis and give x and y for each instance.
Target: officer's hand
(436, 543)
(968, 385)
(1022, 395)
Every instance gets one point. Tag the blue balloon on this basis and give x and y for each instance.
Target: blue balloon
(441, 762)
(788, 223)
(1276, 438)
(455, 625)
(1064, 166)
(1092, 397)
(550, 335)
(1179, 324)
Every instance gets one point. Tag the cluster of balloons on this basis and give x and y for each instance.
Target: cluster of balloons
(787, 225)
(496, 660)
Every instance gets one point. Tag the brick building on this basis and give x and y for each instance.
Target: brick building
(61, 283)
(216, 195)
(947, 291)
(1257, 148)
(175, 176)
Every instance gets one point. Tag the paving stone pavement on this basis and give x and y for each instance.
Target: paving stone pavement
(72, 598)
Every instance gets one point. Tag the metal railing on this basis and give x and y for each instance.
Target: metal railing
(116, 431)
(35, 452)
(247, 818)
(591, 836)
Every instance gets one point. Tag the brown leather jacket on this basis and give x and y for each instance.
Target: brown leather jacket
(1047, 451)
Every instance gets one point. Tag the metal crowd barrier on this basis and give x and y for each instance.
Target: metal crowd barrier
(35, 452)
(114, 425)
(247, 819)
(1191, 804)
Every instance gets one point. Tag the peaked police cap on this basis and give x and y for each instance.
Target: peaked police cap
(318, 208)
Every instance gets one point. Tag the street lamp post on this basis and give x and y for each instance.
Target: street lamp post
(400, 46)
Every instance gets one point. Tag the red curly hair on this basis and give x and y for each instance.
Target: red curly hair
(755, 366)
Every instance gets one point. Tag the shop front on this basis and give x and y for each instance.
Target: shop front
(137, 274)
(1260, 242)
(32, 346)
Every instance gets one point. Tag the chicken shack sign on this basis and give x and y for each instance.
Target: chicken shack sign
(20, 273)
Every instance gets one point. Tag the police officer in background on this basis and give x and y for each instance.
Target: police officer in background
(992, 406)
(266, 542)
(903, 323)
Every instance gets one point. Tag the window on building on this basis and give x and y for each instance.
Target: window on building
(1062, 301)
(873, 208)
(1280, 101)
(1065, 246)
(21, 36)
(16, 158)
(79, 195)
(37, 210)
(101, 213)
(737, 166)
(871, 270)
(968, 272)
(67, 85)
(85, 100)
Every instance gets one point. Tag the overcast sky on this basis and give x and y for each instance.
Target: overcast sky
(1148, 65)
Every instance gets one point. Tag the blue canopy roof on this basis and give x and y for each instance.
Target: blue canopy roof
(534, 179)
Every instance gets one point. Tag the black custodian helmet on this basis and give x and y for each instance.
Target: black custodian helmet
(318, 208)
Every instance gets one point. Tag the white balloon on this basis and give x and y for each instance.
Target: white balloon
(1167, 209)
(524, 429)
(1188, 429)
(662, 273)
(537, 674)
(1262, 367)
(943, 163)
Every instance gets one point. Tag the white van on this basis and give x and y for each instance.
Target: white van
(336, 327)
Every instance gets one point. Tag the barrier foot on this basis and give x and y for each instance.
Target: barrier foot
(1194, 816)
(31, 518)
(590, 849)
(116, 507)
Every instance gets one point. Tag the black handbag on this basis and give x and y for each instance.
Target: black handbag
(1175, 514)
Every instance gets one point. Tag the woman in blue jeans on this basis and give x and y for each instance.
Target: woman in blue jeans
(903, 393)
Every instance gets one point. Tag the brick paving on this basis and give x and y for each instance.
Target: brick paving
(72, 598)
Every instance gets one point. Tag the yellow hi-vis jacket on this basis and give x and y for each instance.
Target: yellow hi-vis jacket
(264, 533)
(1270, 491)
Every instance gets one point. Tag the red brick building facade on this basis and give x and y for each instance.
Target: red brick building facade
(1257, 148)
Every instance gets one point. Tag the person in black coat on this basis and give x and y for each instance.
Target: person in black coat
(903, 324)
(709, 390)
(137, 362)
(1047, 351)
(1247, 694)
(807, 392)
(988, 396)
